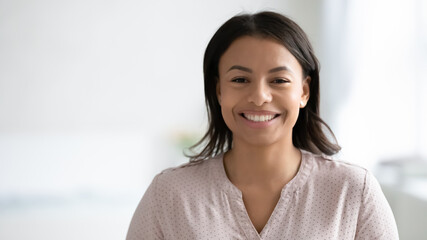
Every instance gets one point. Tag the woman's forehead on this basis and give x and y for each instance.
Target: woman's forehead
(258, 52)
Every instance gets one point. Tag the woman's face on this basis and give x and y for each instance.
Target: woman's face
(260, 89)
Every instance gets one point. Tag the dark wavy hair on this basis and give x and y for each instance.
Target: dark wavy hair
(309, 130)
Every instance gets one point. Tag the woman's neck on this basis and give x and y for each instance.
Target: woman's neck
(260, 165)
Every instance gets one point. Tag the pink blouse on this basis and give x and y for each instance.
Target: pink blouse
(327, 199)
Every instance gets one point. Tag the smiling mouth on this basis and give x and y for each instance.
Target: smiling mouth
(259, 118)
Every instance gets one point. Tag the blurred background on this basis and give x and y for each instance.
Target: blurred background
(97, 96)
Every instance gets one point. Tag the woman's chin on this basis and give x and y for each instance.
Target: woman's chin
(260, 141)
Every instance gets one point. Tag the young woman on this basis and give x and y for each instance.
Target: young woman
(265, 170)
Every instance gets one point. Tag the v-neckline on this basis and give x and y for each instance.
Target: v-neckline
(236, 199)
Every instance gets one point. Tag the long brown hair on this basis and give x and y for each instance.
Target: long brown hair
(308, 132)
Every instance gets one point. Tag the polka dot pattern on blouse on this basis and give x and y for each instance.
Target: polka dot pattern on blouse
(327, 199)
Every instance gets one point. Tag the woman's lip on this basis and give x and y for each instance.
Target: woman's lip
(260, 112)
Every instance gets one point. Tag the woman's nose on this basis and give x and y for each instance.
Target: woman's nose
(259, 94)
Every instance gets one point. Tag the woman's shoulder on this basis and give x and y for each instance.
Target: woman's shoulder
(190, 173)
(325, 162)
(337, 170)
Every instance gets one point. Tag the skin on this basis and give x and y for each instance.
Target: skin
(259, 74)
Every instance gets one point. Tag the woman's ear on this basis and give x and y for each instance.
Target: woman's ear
(305, 91)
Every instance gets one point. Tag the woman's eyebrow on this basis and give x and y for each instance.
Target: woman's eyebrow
(245, 69)
(281, 68)
(240, 68)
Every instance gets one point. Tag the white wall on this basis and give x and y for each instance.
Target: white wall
(376, 74)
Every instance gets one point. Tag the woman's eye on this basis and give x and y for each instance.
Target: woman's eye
(280, 80)
(239, 80)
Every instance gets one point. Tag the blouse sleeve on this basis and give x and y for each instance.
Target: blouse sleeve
(145, 223)
(376, 220)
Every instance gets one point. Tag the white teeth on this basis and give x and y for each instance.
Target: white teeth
(259, 118)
